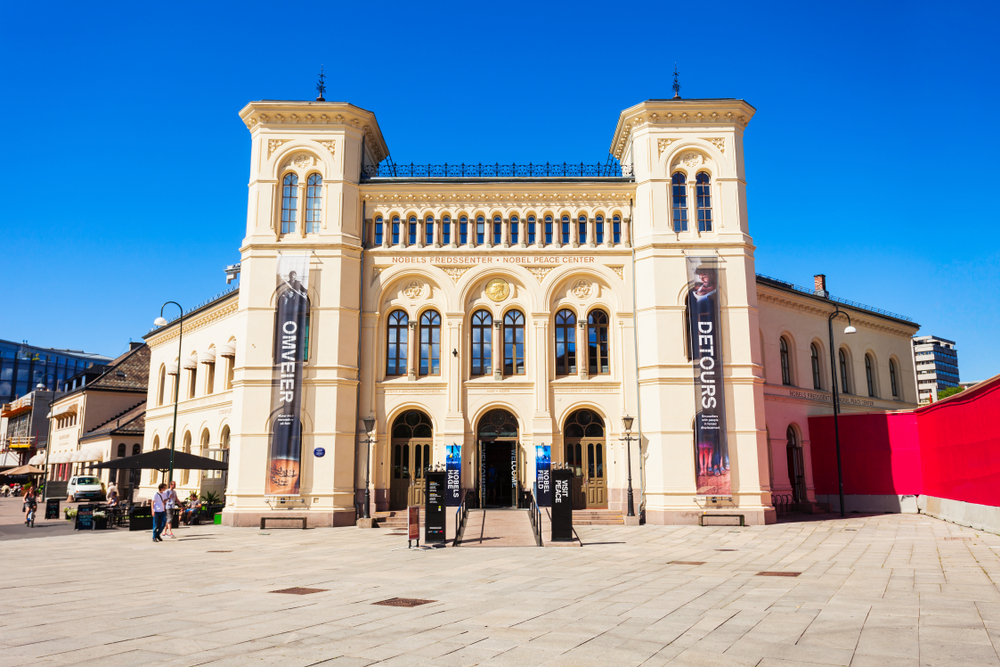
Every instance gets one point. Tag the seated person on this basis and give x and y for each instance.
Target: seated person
(113, 498)
(193, 506)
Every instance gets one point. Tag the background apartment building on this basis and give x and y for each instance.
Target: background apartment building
(936, 363)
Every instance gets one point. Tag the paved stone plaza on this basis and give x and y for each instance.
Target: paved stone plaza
(879, 590)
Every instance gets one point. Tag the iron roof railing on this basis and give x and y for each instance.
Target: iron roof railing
(845, 302)
(610, 169)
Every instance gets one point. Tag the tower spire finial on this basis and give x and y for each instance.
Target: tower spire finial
(321, 86)
(677, 83)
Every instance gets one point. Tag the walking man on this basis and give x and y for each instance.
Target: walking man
(159, 512)
(172, 502)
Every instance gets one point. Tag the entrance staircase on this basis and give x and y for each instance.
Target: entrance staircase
(395, 519)
(598, 518)
(498, 528)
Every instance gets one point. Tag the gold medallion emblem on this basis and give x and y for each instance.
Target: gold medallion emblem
(497, 290)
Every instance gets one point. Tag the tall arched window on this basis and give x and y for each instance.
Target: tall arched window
(786, 362)
(844, 387)
(480, 230)
(599, 230)
(513, 343)
(396, 343)
(379, 230)
(531, 230)
(565, 231)
(161, 384)
(463, 230)
(514, 230)
(230, 367)
(565, 342)
(289, 203)
(121, 451)
(497, 230)
(482, 343)
(137, 448)
(185, 472)
(892, 379)
(703, 191)
(680, 202)
(395, 230)
(583, 228)
(314, 203)
(599, 361)
(796, 466)
(616, 229)
(429, 230)
(411, 234)
(446, 230)
(814, 360)
(430, 343)
(548, 230)
(870, 375)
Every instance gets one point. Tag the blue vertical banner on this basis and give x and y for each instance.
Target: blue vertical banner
(543, 474)
(453, 468)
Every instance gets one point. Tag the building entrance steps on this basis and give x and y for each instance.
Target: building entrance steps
(498, 528)
(395, 519)
(598, 517)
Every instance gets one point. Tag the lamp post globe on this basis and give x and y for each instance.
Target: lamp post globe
(627, 423)
(369, 427)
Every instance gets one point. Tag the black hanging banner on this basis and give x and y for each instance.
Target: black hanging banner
(562, 506)
(454, 469)
(290, 339)
(543, 475)
(434, 522)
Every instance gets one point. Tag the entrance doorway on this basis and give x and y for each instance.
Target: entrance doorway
(796, 467)
(498, 483)
(583, 438)
(410, 456)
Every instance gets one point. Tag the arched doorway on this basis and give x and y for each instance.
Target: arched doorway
(498, 459)
(796, 466)
(410, 454)
(584, 450)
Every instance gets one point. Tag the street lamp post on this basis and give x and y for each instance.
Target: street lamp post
(836, 400)
(627, 439)
(161, 322)
(369, 426)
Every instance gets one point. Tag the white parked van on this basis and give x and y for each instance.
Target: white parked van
(85, 487)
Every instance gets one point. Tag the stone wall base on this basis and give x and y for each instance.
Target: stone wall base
(751, 517)
(314, 518)
(980, 517)
(873, 504)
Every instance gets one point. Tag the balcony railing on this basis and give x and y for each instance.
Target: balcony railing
(610, 169)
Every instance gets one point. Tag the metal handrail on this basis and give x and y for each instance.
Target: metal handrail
(535, 513)
(610, 169)
(461, 516)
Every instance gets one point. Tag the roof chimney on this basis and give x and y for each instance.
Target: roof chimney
(819, 281)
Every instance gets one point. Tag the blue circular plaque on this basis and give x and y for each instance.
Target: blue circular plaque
(319, 452)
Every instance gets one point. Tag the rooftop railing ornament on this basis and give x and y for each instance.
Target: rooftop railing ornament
(610, 169)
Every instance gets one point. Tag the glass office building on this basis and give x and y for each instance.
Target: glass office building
(23, 367)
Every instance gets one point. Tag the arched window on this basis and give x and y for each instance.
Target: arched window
(599, 230)
(616, 229)
(844, 387)
(703, 191)
(463, 230)
(121, 451)
(482, 343)
(497, 230)
(137, 448)
(411, 235)
(514, 230)
(531, 230)
(446, 230)
(379, 230)
(161, 384)
(680, 202)
(289, 203)
(210, 373)
(786, 362)
(480, 230)
(429, 230)
(430, 343)
(396, 343)
(870, 375)
(565, 343)
(892, 379)
(548, 230)
(395, 230)
(230, 368)
(814, 360)
(513, 343)
(565, 231)
(314, 203)
(599, 361)
(192, 378)
(583, 228)
(185, 472)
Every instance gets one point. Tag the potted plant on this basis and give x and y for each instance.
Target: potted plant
(100, 520)
(70, 513)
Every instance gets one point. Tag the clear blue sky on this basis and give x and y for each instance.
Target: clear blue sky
(872, 157)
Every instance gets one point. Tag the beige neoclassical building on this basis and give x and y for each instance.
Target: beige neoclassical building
(501, 308)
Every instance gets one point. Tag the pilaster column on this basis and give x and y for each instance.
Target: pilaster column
(627, 232)
(505, 232)
(497, 350)
(540, 365)
(581, 348)
(300, 214)
(556, 232)
(540, 233)
(609, 231)
(421, 232)
(438, 232)
(574, 232)
(386, 232)
(452, 366)
(487, 232)
(591, 232)
(404, 232)
(411, 351)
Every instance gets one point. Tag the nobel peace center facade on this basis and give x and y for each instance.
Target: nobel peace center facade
(504, 317)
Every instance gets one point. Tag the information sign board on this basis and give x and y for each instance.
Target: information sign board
(562, 506)
(434, 530)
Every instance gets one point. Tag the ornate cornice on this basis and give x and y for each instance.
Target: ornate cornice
(210, 317)
(679, 113)
(519, 200)
(859, 320)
